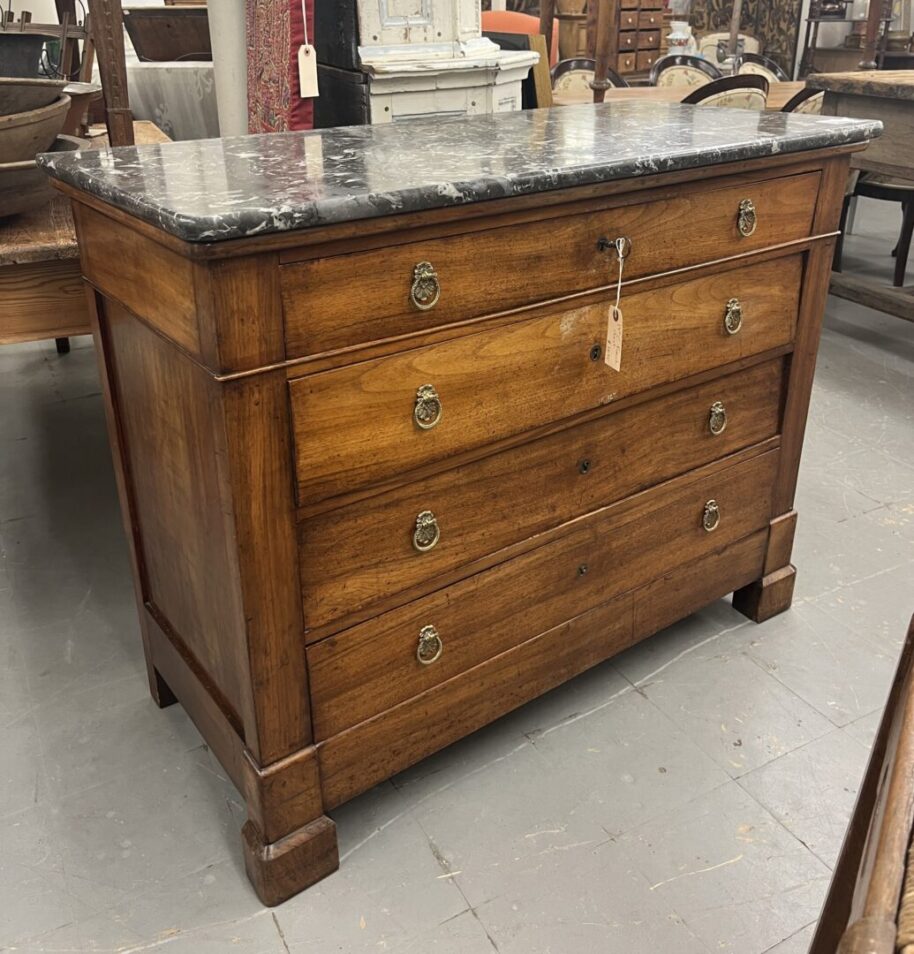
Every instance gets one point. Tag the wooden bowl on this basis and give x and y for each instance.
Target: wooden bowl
(22, 95)
(24, 187)
(24, 135)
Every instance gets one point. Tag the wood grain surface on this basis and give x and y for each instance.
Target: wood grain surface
(354, 426)
(340, 301)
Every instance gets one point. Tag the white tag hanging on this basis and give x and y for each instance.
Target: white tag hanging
(613, 349)
(307, 62)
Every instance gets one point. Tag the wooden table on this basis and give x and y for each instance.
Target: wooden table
(778, 95)
(887, 95)
(41, 293)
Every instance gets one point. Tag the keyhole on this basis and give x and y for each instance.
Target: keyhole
(595, 352)
(584, 466)
(582, 569)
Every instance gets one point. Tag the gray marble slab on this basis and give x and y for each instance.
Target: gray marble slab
(217, 189)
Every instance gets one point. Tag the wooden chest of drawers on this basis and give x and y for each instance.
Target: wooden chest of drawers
(381, 485)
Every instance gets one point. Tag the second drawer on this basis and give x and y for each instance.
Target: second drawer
(368, 423)
(354, 556)
(372, 667)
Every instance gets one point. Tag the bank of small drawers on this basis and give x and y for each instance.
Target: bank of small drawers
(462, 496)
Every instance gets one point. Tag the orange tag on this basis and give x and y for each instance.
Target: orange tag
(307, 71)
(613, 350)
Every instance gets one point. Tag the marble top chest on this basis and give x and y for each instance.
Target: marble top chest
(380, 482)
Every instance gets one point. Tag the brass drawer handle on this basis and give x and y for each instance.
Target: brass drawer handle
(427, 532)
(430, 646)
(717, 419)
(747, 219)
(426, 290)
(733, 316)
(428, 410)
(710, 519)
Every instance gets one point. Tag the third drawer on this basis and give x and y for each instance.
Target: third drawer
(357, 555)
(374, 666)
(360, 425)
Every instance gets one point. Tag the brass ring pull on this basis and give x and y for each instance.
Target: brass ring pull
(426, 289)
(430, 646)
(710, 519)
(733, 316)
(717, 419)
(428, 410)
(747, 218)
(427, 532)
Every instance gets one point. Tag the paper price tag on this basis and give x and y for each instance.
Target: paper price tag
(307, 71)
(613, 351)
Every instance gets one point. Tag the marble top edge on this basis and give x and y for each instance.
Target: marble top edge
(894, 84)
(220, 189)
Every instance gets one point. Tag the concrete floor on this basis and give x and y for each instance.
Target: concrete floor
(688, 796)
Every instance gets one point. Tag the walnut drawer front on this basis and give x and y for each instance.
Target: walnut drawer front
(356, 555)
(346, 300)
(376, 665)
(357, 425)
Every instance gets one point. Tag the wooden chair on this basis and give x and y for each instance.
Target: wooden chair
(710, 44)
(755, 64)
(806, 101)
(578, 73)
(680, 69)
(875, 186)
(736, 92)
(510, 21)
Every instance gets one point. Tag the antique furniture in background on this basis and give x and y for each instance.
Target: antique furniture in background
(738, 92)
(385, 472)
(41, 293)
(887, 95)
(807, 100)
(576, 76)
(761, 65)
(772, 24)
(869, 908)
(380, 63)
(683, 71)
(779, 94)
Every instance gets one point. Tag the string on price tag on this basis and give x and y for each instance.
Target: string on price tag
(612, 353)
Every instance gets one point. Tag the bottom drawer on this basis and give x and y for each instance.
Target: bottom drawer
(374, 666)
(374, 750)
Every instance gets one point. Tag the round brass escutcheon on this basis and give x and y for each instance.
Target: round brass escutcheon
(426, 289)
(717, 419)
(733, 316)
(747, 218)
(427, 412)
(710, 519)
(430, 646)
(427, 532)
(596, 353)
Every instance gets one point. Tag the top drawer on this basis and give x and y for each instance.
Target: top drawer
(346, 300)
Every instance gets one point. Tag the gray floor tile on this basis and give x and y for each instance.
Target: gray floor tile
(811, 791)
(738, 714)
(864, 730)
(796, 944)
(739, 880)
(840, 673)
